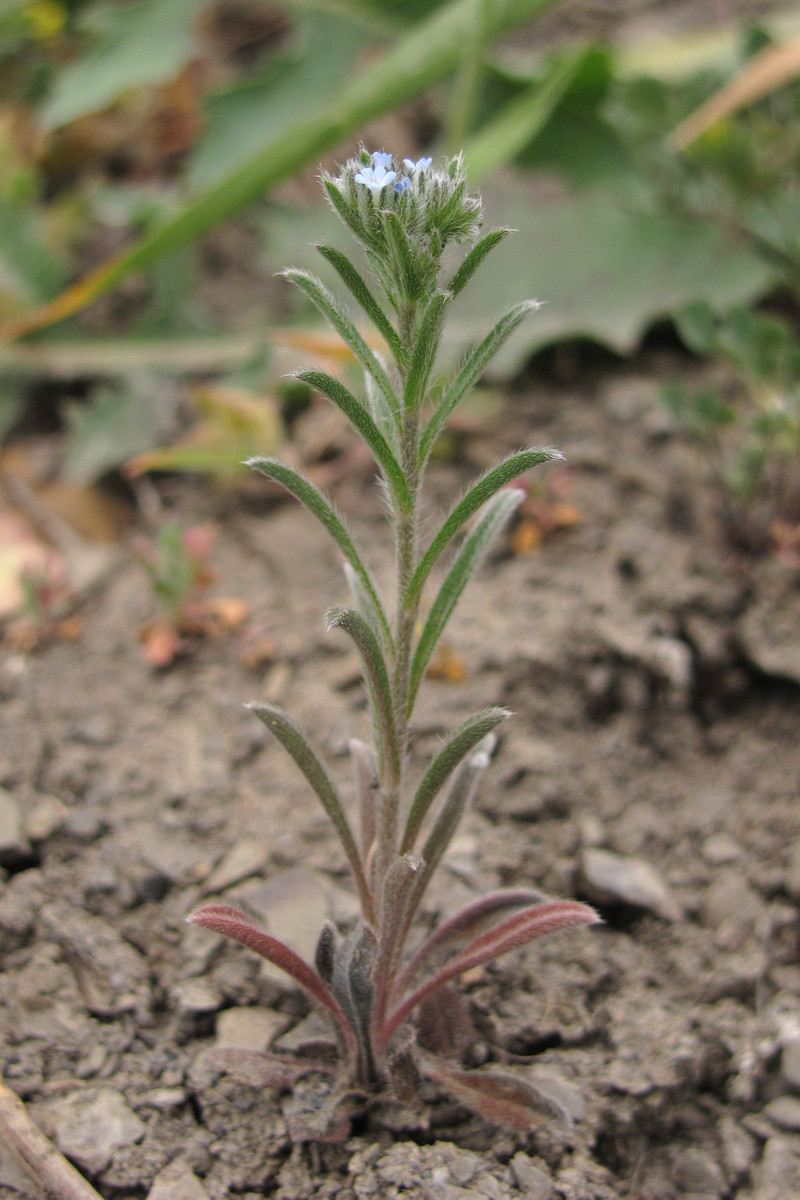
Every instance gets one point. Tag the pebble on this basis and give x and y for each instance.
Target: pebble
(609, 878)
(112, 976)
(532, 1181)
(784, 1111)
(696, 1171)
(90, 1125)
(720, 848)
(13, 843)
(194, 997)
(46, 817)
(249, 1028)
(177, 1181)
(294, 904)
(790, 1064)
(247, 857)
(558, 1089)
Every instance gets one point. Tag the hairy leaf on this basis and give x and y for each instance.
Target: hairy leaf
(304, 491)
(487, 486)
(426, 345)
(295, 741)
(460, 743)
(355, 282)
(474, 259)
(501, 1098)
(377, 677)
(498, 511)
(236, 925)
(474, 366)
(361, 420)
(516, 931)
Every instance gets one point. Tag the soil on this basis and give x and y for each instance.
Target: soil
(652, 668)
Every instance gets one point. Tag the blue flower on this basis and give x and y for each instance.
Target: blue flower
(381, 159)
(421, 164)
(402, 185)
(376, 178)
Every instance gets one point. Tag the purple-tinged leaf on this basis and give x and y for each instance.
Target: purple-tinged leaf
(236, 925)
(523, 927)
(260, 1070)
(500, 1098)
(466, 923)
(397, 892)
(444, 1025)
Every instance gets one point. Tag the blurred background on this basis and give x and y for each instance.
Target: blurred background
(158, 165)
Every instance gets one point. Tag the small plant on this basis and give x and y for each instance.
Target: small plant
(753, 434)
(399, 1016)
(178, 566)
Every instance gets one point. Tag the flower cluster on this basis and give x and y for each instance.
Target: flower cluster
(405, 213)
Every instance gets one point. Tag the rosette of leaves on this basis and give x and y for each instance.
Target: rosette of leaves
(398, 1014)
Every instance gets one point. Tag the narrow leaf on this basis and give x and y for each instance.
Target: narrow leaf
(487, 486)
(355, 282)
(501, 1098)
(236, 925)
(361, 420)
(366, 773)
(515, 931)
(332, 310)
(474, 366)
(466, 923)
(474, 259)
(260, 1070)
(498, 512)
(377, 677)
(397, 890)
(296, 743)
(461, 742)
(304, 491)
(426, 345)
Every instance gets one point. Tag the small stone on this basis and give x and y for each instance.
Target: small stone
(720, 848)
(609, 878)
(294, 904)
(790, 1064)
(113, 977)
(249, 1028)
(165, 1099)
(784, 1111)
(90, 1125)
(696, 1171)
(194, 997)
(558, 1089)
(13, 843)
(177, 1182)
(45, 818)
(96, 730)
(793, 873)
(245, 858)
(464, 1167)
(532, 1181)
(312, 1037)
(85, 826)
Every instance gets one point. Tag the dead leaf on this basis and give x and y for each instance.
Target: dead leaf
(447, 665)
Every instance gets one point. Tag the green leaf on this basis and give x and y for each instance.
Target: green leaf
(471, 372)
(474, 259)
(426, 345)
(357, 286)
(115, 424)
(296, 743)
(297, 82)
(486, 487)
(377, 678)
(361, 420)
(420, 59)
(332, 310)
(143, 44)
(520, 121)
(603, 270)
(304, 491)
(460, 743)
(498, 512)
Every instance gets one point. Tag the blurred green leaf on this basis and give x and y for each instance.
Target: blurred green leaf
(244, 118)
(603, 272)
(30, 269)
(116, 424)
(142, 44)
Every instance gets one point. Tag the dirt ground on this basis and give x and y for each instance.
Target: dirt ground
(653, 669)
